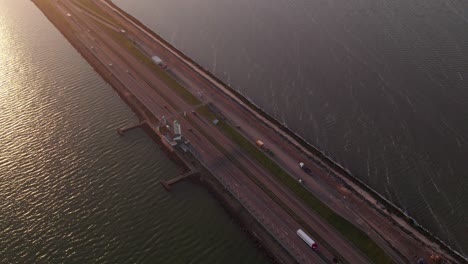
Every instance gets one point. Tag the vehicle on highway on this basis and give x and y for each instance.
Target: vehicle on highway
(259, 143)
(421, 261)
(159, 62)
(307, 239)
(304, 168)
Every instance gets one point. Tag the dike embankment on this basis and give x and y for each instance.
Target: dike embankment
(390, 210)
(386, 208)
(263, 240)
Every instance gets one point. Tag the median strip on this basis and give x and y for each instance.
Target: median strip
(352, 233)
(356, 236)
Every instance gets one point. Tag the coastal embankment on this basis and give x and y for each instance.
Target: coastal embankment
(230, 164)
(245, 220)
(373, 199)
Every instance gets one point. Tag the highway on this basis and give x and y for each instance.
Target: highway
(279, 210)
(154, 94)
(394, 235)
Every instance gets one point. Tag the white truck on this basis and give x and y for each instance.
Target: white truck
(309, 241)
(159, 62)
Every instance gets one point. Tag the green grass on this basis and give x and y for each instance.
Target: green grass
(206, 112)
(125, 42)
(161, 73)
(356, 236)
(50, 9)
(91, 7)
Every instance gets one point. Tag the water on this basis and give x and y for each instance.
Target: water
(379, 86)
(71, 189)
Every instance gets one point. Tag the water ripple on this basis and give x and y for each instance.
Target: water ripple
(71, 189)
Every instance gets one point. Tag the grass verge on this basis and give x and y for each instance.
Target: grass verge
(91, 7)
(356, 236)
(161, 73)
(51, 10)
(137, 53)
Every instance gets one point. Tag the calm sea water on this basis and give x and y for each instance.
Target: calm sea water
(71, 190)
(379, 86)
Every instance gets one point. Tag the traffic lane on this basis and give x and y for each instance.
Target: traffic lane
(355, 256)
(148, 77)
(280, 223)
(361, 208)
(289, 221)
(223, 166)
(151, 41)
(313, 220)
(333, 199)
(330, 197)
(227, 110)
(119, 73)
(143, 69)
(106, 56)
(142, 83)
(117, 70)
(210, 154)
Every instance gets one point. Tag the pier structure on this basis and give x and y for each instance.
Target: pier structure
(168, 184)
(121, 131)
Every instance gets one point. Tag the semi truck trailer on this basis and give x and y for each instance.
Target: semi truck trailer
(307, 239)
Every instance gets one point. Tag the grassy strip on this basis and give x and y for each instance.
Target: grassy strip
(265, 189)
(91, 7)
(348, 230)
(206, 112)
(162, 74)
(130, 46)
(49, 8)
(125, 42)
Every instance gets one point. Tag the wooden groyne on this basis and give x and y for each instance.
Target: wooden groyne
(167, 184)
(121, 131)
